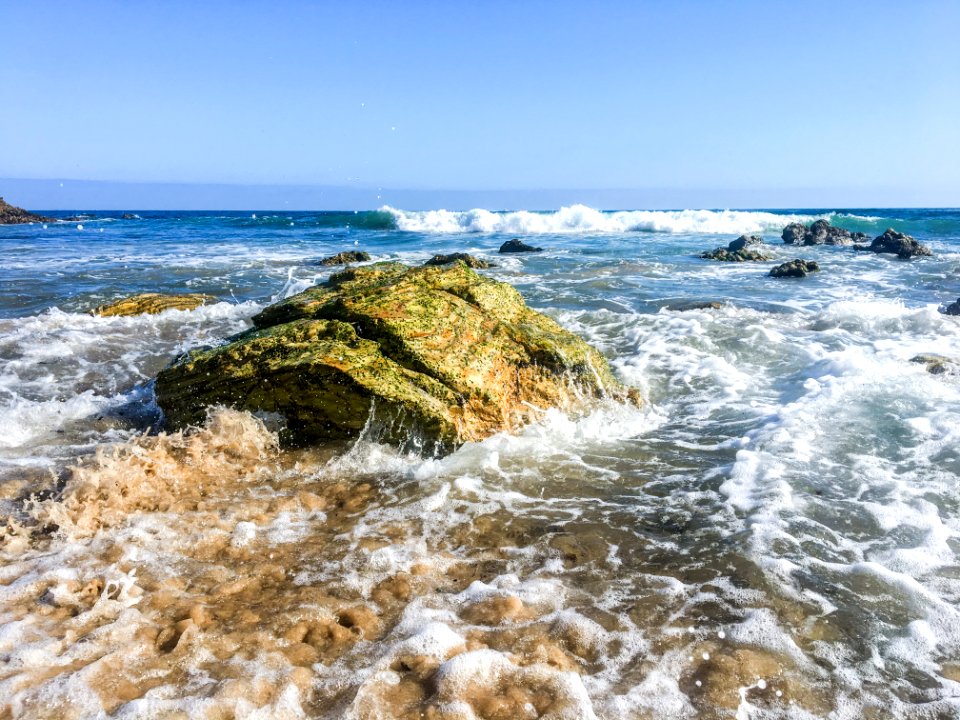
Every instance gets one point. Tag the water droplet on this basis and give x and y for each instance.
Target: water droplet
(44, 227)
(698, 683)
(721, 634)
(706, 656)
(779, 693)
(762, 684)
(79, 227)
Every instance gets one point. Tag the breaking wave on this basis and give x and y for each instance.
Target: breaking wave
(583, 219)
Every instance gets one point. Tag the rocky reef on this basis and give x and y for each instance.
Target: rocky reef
(345, 258)
(795, 269)
(820, 232)
(744, 249)
(437, 353)
(897, 243)
(12, 215)
(151, 304)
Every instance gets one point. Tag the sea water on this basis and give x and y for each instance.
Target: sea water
(774, 534)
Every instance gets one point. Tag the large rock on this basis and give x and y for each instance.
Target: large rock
(953, 308)
(820, 232)
(897, 243)
(12, 215)
(439, 353)
(795, 269)
(744, 249)
(152, 303)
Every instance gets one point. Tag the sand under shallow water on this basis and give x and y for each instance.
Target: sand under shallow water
(776, 534)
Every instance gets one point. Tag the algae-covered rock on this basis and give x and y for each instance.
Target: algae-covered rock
(152, 303)
(345, 258)
(470, 260)
(442, 354)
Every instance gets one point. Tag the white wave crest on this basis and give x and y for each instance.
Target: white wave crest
(582, 219)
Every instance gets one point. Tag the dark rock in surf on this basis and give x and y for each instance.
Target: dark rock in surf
(743, 249)
(518, 246)
(129, 216)
(688, 305)
(952, 308)
(345, 258)
(897, 243)
(13, 215)
(938, 364)
(795, 269)
(470, 260)
(820, 232)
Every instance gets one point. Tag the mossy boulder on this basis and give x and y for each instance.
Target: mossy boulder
(152, 303)
(439, 354)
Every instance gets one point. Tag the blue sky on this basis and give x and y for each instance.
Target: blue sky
(751, 103)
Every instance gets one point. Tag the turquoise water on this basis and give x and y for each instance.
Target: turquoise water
(786, 504)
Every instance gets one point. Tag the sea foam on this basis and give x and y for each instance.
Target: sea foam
(583, 219)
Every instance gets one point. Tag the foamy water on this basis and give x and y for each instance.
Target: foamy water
(774, 535)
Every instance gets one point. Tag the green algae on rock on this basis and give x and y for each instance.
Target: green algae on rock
(151, 304)
(440, 354)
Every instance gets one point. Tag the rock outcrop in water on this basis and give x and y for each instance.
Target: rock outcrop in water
(12, 215)
(470, 260)
(518, 246)
(152, 303)
(897, 243)
(345, 258)
(938, 364)
(820, 232)
(439, 353)
(743, 249)
(952, 308)
(795, 269)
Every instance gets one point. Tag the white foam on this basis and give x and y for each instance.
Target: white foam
(583, 219)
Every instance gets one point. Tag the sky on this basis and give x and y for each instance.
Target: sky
(644, 104)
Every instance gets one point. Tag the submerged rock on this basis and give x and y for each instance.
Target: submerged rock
(13, 215)
(688, 305)
(442, 354)
(897, 243)
(518, 246)
(952, 308)
(820, 232)
(938, 364)
(795, 268)
(129, 216)
(152, 303)
(345, 258)
(470, 260)
(743, 249)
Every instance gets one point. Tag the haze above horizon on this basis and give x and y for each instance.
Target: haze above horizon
(425, 104)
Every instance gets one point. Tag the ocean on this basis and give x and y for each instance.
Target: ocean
(774, 534)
